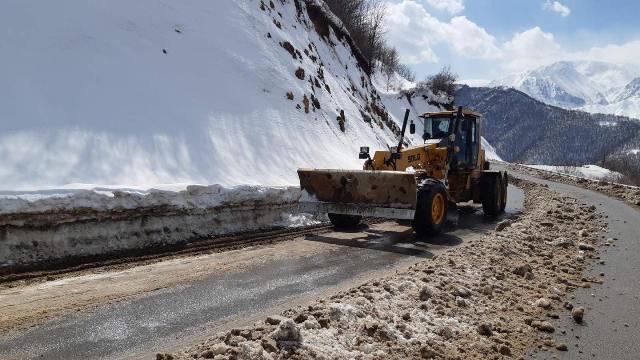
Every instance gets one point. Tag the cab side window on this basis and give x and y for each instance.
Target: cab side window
(462, 141)
(475, 146)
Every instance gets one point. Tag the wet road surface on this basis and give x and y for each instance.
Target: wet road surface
(611, 329)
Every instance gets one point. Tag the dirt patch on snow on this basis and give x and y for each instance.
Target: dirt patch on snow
(494, 298)
(629, 194)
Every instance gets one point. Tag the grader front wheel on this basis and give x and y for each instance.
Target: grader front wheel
(431, 208)
(505, 185)
(494, 197)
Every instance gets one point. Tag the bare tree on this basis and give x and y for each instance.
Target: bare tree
(603, 156)
(389, 60)
(364, 19)
(406, 72)
(444, 82)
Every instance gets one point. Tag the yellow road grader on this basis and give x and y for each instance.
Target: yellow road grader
(420, 183)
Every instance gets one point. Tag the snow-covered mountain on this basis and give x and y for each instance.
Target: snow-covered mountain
(585, 85)
(558, 84)
(151, 93)
(624, 101)
(630, 91)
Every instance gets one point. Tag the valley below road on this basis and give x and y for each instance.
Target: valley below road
(477, 274)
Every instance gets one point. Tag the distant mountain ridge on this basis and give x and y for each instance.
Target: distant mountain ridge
(631, 90)
(525, 130)
(595, 87)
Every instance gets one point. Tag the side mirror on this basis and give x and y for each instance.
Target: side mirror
(364, 152)
(412, 128)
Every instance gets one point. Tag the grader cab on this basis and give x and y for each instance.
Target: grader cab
(420, 183)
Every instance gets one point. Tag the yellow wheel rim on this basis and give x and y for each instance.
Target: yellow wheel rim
(437, 209)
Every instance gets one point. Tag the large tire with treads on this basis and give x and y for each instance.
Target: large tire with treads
(431, 208)
(492, 194)
(341, 221)
(505, 185)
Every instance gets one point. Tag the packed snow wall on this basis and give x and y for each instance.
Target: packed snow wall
(83, 226)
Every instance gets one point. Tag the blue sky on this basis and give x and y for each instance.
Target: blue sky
(485, 39)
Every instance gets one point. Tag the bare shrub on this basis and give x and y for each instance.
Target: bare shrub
(628, 164)
(389, 61)
(406, 72)
(444, 82)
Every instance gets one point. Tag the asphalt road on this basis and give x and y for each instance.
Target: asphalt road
(611, 329)
(169, 319)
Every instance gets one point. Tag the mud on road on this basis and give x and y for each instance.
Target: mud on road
(494, 298)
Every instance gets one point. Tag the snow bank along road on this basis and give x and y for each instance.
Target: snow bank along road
(39, 230)
(172, 303)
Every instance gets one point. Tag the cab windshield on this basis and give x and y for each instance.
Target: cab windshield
(436, 127)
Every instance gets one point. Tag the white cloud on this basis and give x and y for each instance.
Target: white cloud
(557, 7)
(627, 53)
(531, 48)
(415, 32)
(470, 40)
(534, 47)
(475, 82)
(419, 37)
(452, 6)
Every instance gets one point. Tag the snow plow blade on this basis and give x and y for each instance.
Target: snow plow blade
(384, 194)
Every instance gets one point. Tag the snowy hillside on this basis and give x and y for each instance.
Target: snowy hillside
(154, 93)
(624, 101)
(489, 151)
(631, 90)
(584, 85)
